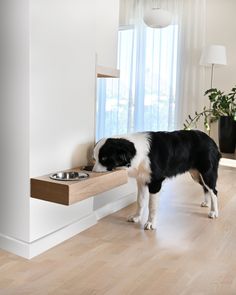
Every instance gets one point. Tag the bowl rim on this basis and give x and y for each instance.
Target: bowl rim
(80, 176)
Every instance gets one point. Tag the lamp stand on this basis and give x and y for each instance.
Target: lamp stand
(212, 74)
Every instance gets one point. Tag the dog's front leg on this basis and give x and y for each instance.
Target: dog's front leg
(141, 202)
(151, 223)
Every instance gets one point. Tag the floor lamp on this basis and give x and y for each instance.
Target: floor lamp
(213, 55)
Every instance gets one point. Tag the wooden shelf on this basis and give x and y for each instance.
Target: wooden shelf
(69, 192)
(105, 72)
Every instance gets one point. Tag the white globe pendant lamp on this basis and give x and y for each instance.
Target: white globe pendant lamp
(157, 18)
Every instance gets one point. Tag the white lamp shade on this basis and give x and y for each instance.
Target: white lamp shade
(214, 54)
(157, 18)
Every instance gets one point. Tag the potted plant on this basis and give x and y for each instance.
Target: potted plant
(222, 108)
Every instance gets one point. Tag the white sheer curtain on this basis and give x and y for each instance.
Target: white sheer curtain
(190, 75)
(161, 81)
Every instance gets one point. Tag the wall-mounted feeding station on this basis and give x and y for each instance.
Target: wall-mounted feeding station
(74, 185)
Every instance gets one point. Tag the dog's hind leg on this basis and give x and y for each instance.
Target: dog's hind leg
(197, 177)
(207, 195)
(141, 202)
(209, 181)
(205, 203)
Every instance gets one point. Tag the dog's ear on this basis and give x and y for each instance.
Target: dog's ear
(123, 158)
(126, 151)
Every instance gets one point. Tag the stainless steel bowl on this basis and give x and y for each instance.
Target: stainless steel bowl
(69, 176)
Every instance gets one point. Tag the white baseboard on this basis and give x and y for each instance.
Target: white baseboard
(53, 239)
(228, 162)
(14, 246)
(32, 249)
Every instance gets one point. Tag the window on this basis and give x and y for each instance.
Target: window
(143, 98)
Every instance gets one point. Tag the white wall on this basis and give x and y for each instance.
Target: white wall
(62, 101)
(107, 22)
(115, 194)
(62, 45)
(14, 120)
(221, 29)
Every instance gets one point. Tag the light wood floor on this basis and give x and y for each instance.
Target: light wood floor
(187, 254)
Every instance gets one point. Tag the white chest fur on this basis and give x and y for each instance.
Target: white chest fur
(140, 165)
(142, 173)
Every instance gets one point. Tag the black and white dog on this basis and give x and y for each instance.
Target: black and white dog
(151, 157)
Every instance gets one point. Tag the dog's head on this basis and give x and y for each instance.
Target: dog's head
(112, 153)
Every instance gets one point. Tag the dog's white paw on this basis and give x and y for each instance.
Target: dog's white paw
(149, 225)
(134, 218)
(204, 204)
(213, 214)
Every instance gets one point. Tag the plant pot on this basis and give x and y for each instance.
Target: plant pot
(227, 134)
